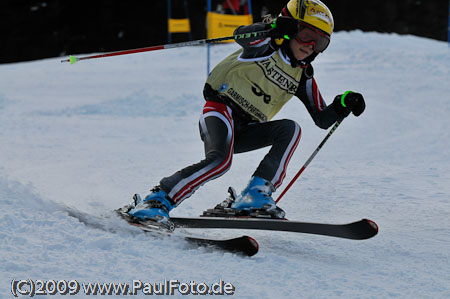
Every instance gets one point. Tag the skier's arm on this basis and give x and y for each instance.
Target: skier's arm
(254, 46)
(324, 116)
(256, 27)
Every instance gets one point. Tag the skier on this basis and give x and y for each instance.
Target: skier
(243, 93)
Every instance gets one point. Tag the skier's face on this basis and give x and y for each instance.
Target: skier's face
(300, 50)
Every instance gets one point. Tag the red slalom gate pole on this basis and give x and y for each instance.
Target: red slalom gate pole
(73, 59)
(336, 125)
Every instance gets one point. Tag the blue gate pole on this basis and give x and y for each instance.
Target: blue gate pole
(208, 47)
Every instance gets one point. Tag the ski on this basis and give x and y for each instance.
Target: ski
(359, 230)
(243, 245)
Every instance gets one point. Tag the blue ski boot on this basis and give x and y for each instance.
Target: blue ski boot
(257, 196)
(155, 207)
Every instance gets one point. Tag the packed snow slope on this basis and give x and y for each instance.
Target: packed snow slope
(92, 134)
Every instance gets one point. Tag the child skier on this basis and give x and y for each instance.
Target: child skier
(243, 93)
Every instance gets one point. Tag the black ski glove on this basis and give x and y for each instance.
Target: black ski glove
(348, 102)
(283, 28)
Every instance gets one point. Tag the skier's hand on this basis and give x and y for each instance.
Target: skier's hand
(283, 28)
(349, 102)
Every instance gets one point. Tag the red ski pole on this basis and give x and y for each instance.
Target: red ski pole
(73, 59)
(336, 125)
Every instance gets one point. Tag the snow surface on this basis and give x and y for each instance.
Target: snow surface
(90, 135)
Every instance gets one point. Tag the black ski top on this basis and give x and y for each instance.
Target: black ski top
(256, 51)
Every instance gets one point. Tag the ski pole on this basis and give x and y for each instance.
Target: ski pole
(336, 125)
(73, 59)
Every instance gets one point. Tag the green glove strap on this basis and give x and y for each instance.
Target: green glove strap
(274, 25)
(343, 97)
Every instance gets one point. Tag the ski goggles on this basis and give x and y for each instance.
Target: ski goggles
(308, 35)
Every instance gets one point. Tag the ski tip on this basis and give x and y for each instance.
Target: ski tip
(73, 59)
(371, 229)
(253, 242)
(252, 247)
(372, 224)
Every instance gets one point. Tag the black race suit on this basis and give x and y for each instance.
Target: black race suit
(242, 94)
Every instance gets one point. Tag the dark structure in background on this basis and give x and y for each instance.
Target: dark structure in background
(51, 28)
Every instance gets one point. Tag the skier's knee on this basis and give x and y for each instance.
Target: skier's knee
(220, 158)
(289, 128)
